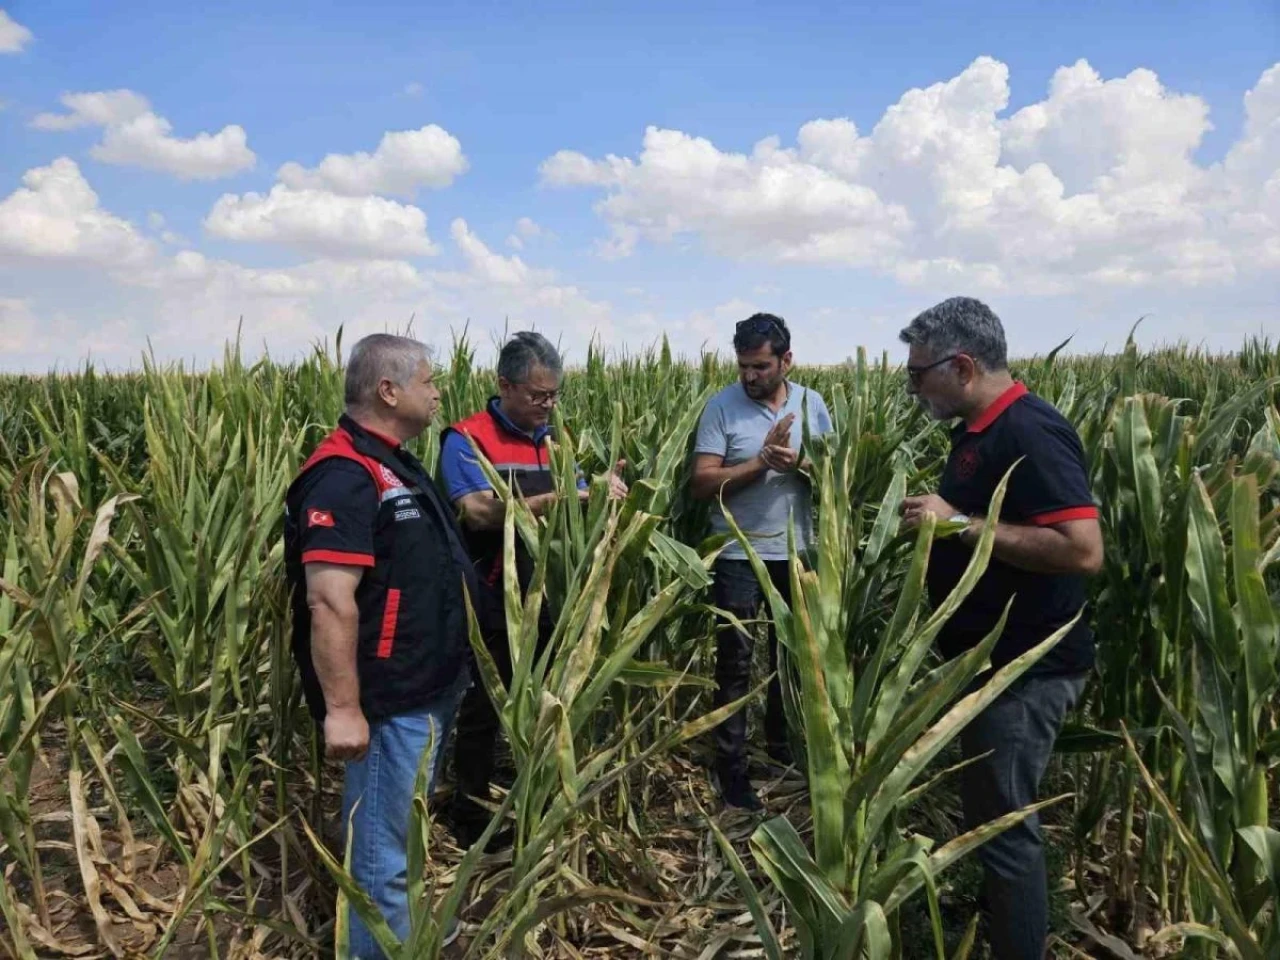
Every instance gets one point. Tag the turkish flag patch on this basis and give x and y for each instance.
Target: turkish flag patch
(319, 518)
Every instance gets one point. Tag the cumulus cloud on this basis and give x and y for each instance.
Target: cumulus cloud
(1095, 184)
(489, 266)
(195, 302)
(403, 162)
(526, 229)
(105, 108)
(56, 216)
(324, 222)
(495, 290)
(13, 35)
(134, 135)
(768, 202)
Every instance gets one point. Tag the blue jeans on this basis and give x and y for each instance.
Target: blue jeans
(383, 782)
(1019, 727)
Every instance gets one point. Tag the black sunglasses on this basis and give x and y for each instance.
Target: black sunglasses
(915, 373)
(763, 326)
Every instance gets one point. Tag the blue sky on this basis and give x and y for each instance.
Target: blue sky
(958, 164)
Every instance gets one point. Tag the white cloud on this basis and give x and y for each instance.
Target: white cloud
(18, 324)
(502, 288)
(403, 162)
(1095, 184)
(56, 216)
(766, 203)
(13, 35)
(105, 108)
(526, 229)
(38, 342)
(709, 329)
(324, 222)
(1092, 196)
(484, 263)
(414, 89)
(135, 136)
(145, 142)
(190, 304)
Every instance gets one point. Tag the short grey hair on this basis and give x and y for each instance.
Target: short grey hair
(524, 351)
(378, 357)
(960, 325)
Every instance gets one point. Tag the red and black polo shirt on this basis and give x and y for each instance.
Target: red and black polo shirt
(524, 463)
(1049, 486)
(363, 500)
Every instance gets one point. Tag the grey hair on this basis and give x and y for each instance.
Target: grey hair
(378, 357)
(524, 351)
(960, 325)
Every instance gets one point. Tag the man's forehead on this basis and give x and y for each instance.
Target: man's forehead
(919, 353)
(763, 354)
(540, 378)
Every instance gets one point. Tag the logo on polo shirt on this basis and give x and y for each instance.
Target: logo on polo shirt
(388, 477)
(967, 464)
(319, 518)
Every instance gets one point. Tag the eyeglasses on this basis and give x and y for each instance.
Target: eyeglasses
(543, 398)
(917, 373)
(763, 326)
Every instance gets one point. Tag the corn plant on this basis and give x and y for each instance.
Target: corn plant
(145, 671)
(870, 732)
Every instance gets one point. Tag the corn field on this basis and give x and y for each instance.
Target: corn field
(163, 794)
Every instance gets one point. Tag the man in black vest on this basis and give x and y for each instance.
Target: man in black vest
(1047, 542)
(512, 432)
(378, 568)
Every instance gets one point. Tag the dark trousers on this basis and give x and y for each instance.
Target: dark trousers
(738, 591)
(477, 726)
(1019, 727)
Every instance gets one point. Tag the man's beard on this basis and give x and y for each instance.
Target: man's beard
(936, 411)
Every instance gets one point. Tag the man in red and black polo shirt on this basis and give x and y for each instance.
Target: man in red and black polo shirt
(512, 432)
(378, 572)
(1047, 542)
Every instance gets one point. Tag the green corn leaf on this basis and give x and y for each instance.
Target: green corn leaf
(1255, 611)
(768, 938)
(1265, 844)
(782, 854)
(1217, 886)
(955, 720)
(1139, 470)
(955, 850)
(353, 895)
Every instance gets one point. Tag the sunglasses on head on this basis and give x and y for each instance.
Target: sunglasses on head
(763, 326)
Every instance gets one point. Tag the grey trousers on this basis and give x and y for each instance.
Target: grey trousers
(1019, 727)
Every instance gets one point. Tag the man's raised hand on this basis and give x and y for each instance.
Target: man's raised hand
(779, 434)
